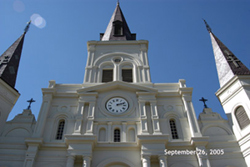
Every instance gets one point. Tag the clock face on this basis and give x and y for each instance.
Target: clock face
(117, 105)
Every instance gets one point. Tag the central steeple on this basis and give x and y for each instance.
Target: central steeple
(117, 29)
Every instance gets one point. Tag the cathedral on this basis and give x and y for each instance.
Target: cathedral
(118, 118)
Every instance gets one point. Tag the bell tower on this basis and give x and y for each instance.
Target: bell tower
(234, 92)
(118, 56)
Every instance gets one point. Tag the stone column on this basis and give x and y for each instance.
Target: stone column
(86, 161)
(145, 161)
(144, 126)
(155, 118)
(79, 118)
(124, 128)
(70, 161)
(116, 73)
(109, 132)
(162, 161)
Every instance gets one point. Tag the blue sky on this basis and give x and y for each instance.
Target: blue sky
(179, 44)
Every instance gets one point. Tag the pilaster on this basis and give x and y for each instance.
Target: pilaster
(109, 132)
(89, 98)
(155, 118)
(144, 126)
(31, 153)
(124, 128)
(90, 121)
(79, 118)
(186, 94)
(40, 124)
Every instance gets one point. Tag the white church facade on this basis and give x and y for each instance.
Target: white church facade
(119, 118)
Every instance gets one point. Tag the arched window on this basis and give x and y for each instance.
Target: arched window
(117, 135)
(60, 129)
(118, 28)
(127, 75)
(173, 129)
(242, 118)
(107, 75)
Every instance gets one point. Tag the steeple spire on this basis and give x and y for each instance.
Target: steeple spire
(9, 60)
(227, 64)
(117, 28)
(207, 26)
(27, 27)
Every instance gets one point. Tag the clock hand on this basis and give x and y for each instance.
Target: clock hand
(119, 104)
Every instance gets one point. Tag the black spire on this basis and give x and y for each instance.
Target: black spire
(9, 60)
(117, 28)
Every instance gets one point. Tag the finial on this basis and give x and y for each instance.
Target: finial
(118, 3)
(30, 101)
(204, 101)
(27, 27)
(207, 26)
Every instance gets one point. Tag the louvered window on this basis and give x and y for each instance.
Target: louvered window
(107, 75)
(173, 129)
(117, 135)
(118, 28)
(242, 118)
(127, 75)
(60, 129)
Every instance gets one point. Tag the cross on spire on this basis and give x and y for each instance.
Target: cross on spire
(30, 101)
(27, 27)
(207, 26)
(230, 58)
(204, 101)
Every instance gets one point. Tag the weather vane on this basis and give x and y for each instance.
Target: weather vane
(30, 101)
(204, 101)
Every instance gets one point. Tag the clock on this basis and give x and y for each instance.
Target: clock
(117, 105)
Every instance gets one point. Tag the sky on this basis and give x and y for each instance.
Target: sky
(179, 44)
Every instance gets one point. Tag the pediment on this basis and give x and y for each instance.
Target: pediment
(117, 85)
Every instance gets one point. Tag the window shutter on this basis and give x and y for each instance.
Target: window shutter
(242, 117)
(127, 75)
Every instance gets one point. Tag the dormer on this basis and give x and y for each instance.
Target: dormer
(117, 29)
